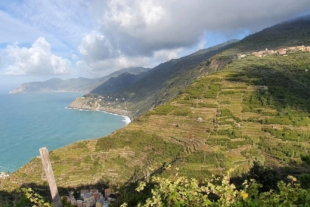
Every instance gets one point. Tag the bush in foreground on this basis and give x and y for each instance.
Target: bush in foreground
(182, 191)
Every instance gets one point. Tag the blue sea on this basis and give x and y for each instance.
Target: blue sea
(31, 121)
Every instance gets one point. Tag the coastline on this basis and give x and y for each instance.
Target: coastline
(97, 104)
(127, 119)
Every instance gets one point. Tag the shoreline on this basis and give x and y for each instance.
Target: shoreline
(127, 119)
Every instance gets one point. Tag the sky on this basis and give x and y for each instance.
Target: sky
(92, 38)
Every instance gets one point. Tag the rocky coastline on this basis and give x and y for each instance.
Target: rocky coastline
(94, 104)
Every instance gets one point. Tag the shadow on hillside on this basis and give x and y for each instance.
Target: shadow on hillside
(271, 175)
(286, 88)
(44, 191)
(125, 192)
(268, 176)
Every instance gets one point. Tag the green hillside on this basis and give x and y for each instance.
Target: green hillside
(139, 93)
(234, 112)
(254, 109)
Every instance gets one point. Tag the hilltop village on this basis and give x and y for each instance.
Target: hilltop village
(281, 51)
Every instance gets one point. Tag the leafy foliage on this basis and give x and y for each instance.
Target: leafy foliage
(182, 191)
(266, 176)
(25, 197)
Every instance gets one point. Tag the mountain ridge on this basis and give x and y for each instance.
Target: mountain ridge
(80, 84)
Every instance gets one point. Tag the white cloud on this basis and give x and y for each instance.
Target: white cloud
(134, 14)
(201, 44)
(36, 60)
(104, 67)
(165, 55)
(95, 47)
(136, 27)
(100, 57)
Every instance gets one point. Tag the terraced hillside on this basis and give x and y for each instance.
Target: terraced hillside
(253, 109)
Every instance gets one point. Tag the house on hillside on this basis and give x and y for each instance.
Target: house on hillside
(282, 51)
(300, 48)
(292, 48)
(255, 54)
(270, 52)
(241, 56)
(259, 54)
(107, 192)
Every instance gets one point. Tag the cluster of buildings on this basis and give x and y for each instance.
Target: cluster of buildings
(91, 198)
(281, 51)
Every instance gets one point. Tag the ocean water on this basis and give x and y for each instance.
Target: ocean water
(31, 121)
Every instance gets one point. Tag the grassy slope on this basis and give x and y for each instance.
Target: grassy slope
(253, 109)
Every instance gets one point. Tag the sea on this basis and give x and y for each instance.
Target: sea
(34, 120)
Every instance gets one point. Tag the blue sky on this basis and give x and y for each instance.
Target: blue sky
(92, 38)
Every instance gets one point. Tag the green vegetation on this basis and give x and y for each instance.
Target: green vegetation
(287, 134)
(261, 186)
(28, 197)
(162, 110)
(209, 113)
(306, 159)
(187, 192)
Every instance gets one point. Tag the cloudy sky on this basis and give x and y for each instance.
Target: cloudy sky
(92, 38)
